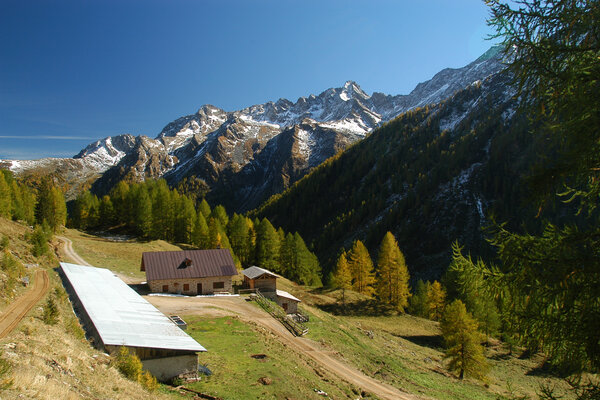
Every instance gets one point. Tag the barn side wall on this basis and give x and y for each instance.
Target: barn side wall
(165, 369)
(292, 306)
(176, 285)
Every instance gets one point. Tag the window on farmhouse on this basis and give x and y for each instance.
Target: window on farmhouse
(186, 287)
(218, 285)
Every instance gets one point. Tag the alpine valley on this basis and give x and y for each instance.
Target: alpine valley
(241, 158)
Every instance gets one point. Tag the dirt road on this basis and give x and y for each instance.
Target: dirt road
(77, 259)
(11, 317)
(220, 306)
(70, 253)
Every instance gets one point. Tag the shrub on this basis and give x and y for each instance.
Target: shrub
(74, 328)
(5, 368)
(128, 364)
(4, 242)
(50, 313)
(39, 239)
(148, 381)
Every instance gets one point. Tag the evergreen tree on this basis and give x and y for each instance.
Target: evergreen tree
(142, 211)
(119, 198)
(436, 300)
(57, 209)
(361, 267)
(106, 212)
(342, 278)
(554, 57)
(220, 214)
(392, 274)
(200, 236)
(418, 301)
(162, 211)
(463, 342)
(267, 246)
(305, 265)
(239, 231)
(83, 215)
(204, 209)
(214, 234)
(185, 220)
(28, 201)
(5, 198)
(287, 254)
(470, 289)
(251, 244)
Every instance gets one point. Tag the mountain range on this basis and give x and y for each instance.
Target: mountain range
(241, 158)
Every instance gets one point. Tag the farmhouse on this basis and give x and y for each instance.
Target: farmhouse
(266, 282)
(114, 315)
(191, 272)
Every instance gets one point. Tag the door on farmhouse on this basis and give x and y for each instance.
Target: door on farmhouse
(285, 306)
(199, 288)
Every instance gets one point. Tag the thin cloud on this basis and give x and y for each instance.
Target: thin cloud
(46, 137)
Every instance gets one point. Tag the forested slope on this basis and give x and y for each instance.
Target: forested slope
(432, 176)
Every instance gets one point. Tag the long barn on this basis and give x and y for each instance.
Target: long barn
(114, 315)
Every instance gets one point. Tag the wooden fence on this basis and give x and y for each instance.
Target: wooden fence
(297, 328)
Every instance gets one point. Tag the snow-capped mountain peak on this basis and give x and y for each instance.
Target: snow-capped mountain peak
(248, 154)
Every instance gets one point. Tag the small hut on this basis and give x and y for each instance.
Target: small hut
(266, 282)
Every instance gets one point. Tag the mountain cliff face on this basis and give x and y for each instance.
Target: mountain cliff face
(245, 156)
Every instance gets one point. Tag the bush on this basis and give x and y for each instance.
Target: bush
(39, 239)
(4, 242)
(148, 381)
(73, 327)
(128, 364)
(5, 368)
(50, 314)
(14, 270)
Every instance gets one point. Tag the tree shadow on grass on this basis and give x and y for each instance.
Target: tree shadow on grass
(435, 342)
(360, 308)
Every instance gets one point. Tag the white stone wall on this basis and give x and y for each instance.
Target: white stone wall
(176, 285)
(168, 368)
(292, 306)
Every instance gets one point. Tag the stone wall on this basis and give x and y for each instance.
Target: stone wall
(177, 285)
(165, 369)
(292, 306)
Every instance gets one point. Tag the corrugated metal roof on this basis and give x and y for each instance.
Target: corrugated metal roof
(172, 264)
(254, 272)
(121, 316)
(283, 293)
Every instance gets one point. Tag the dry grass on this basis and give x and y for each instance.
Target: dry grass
(55, 361)
(123, 257)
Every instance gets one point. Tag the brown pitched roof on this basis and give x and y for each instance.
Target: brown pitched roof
(172, 264)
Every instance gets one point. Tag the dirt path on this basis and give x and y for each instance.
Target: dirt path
(21, 306)
(220, 306)
(70, 253)
(77, 259)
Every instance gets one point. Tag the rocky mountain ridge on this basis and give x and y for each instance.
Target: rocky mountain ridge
(245, 156)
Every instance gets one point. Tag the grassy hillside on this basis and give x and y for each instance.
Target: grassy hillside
(407, 351)
(42, 361)
(117, 254)
(55, 361)
(238, 375)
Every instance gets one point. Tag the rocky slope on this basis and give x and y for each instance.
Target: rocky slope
(245, 156)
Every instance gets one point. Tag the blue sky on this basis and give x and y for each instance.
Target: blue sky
(72, 72)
